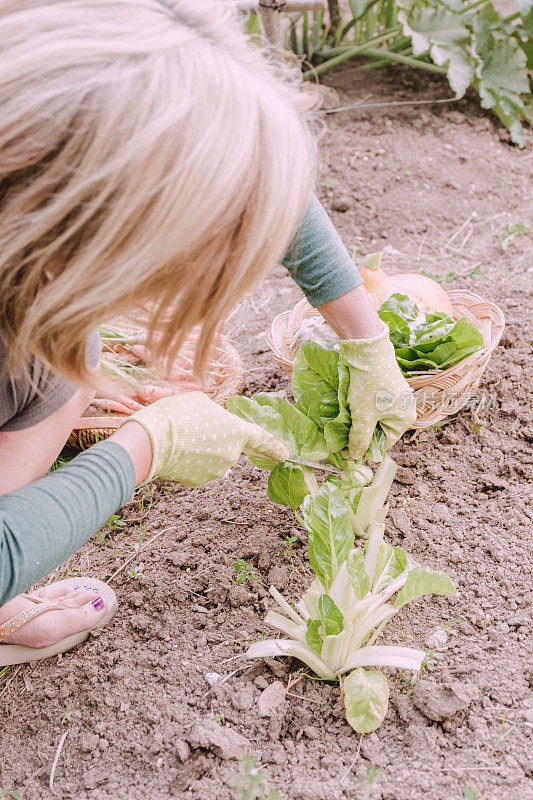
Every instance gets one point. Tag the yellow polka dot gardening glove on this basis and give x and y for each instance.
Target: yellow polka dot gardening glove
(195, 441)
(378, 392)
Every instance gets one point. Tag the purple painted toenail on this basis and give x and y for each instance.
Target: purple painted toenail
(97, 604)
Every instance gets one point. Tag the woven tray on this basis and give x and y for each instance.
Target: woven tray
(439, 393)
(228, 381)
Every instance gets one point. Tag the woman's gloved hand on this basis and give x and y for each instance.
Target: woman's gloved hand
(194, 440)
(378, 392)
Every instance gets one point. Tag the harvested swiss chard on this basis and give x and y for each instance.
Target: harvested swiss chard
(315, 431)
(435, 342)
(335, 624)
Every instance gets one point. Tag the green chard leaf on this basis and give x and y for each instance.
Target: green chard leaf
(401, 306)
(275, 414)
(366, 698)
(423, 580)
(330, 535)
(399, 332)
(287, 486)
(337, 430)
(436, 343)
(320, 382)
(331, 618)
(391, 562)
(321, 362)
(355, 564)
(310, 404)
(310, 371)
(312, 635)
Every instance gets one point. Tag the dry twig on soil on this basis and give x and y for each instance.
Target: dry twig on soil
(55, 761)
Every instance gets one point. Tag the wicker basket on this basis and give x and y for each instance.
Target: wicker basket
(439, 393)
(229, 380)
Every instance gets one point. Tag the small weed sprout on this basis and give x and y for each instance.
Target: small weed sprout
(477, 427)
(67, 715)
(220, 718)
(368, 788)
(244, 572)
(504, 732)
(114, 523)
(288, 553)
(260, 636)
(511, 232)
(11, 794)
(440, 277)
(251, 783)
(135, 572)
(476, 273)
(468, 793)
(450, 623)
(406, 685)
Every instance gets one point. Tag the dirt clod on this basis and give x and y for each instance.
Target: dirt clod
(270, 698)
(440, 702)
(190, 772)
(238, 596)
(95, 777)
(437, 639)
(341, 204)
(221, 739)
(278, 576)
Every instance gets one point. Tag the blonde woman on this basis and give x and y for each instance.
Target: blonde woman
(146, 153)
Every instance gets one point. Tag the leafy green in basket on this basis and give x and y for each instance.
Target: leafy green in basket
(436, 342)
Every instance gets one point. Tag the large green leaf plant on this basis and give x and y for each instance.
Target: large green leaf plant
(356, 591)
(478, 48)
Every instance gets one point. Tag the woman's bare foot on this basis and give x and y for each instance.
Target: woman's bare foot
(82, 609)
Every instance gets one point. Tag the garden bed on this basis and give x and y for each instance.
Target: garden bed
(142, 718)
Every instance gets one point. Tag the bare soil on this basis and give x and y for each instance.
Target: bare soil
(142, 718)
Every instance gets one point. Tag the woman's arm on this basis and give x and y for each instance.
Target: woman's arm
(319, 263)
(186, 438)
(44, 523)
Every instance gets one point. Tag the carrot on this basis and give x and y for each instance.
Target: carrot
(111, 405)
(188, 385)
(128, 400)
(149, 393)
(140, 351)
(179, 372)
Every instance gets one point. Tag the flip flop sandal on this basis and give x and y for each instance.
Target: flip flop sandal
(20, 654)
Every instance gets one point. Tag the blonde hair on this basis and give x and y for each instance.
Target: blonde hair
(147, 154)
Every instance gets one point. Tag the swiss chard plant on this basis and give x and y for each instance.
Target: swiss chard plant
(315, 431)
(335, 625)
(356, 591)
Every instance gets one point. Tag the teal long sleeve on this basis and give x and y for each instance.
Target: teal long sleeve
(318, 261)
(44, 523)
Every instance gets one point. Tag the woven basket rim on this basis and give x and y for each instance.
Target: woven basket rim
(454, 294)
(443, 385)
